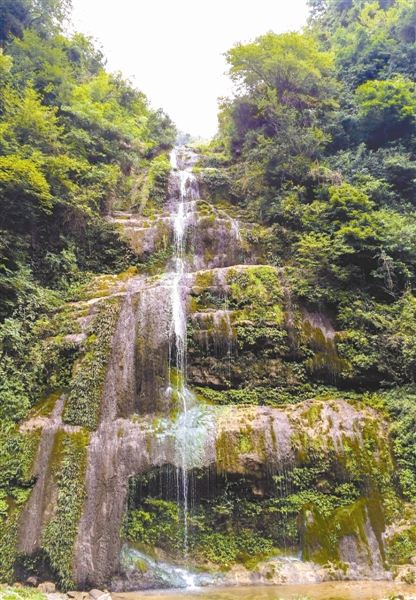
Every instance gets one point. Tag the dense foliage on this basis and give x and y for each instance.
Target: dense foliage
(74, 139)
(319, 141)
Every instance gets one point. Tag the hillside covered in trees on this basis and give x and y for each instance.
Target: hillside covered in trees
(74, 140)
(319, 143)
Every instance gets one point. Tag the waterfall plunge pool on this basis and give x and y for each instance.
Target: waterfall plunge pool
(333, 590)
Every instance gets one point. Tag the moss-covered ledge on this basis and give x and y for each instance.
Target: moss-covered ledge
(83, 404)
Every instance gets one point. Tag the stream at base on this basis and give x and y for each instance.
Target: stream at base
(331, 590)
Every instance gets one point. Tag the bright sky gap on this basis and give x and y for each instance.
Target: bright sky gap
(173, 49)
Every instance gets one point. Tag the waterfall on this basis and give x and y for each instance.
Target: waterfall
(188, 192)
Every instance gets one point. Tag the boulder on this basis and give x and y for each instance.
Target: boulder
(405, 574)
(99, 595)
(47, 587)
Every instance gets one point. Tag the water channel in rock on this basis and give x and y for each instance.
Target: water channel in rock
(181, 217)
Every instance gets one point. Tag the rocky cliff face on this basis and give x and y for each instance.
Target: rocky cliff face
(219, 460)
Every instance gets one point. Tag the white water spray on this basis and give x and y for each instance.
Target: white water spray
(180, 220)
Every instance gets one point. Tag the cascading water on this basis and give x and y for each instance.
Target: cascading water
(188, 192)
(187, 456)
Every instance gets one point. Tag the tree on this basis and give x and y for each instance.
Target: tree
(279, 120)
(45, 16)
(289, 64)
(387, 109)
(377, 40)
(13, 15)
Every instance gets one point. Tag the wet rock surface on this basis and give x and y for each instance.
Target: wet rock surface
(245, 335)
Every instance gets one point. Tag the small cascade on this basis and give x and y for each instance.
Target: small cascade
(229, 344)
(188, 192)
(164, 573)
(235, 225)
(223, 337)
(235, 228)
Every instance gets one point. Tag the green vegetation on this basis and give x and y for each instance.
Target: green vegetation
(237, 535)
(158, 180)
(11, 593)
(401, 547)
(270, 352)
(323, 151)
(73, 138)
(316, 152)
(260, 396)
(256, 293)
(17, 454)
(83, 404)
(36, 365)
(318, 145)
(69, 469)
(400, 406)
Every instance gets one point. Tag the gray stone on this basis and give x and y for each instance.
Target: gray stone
(47, 587)
(99, 595)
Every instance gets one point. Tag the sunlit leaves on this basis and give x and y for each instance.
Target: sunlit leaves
(278, 122)
(26, 123)
(97, 104)
(71, 138)
(373, 41)
(23, 177)
(290, 64)
(386, 108)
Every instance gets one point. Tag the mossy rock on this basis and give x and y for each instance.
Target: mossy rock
(344, 534)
